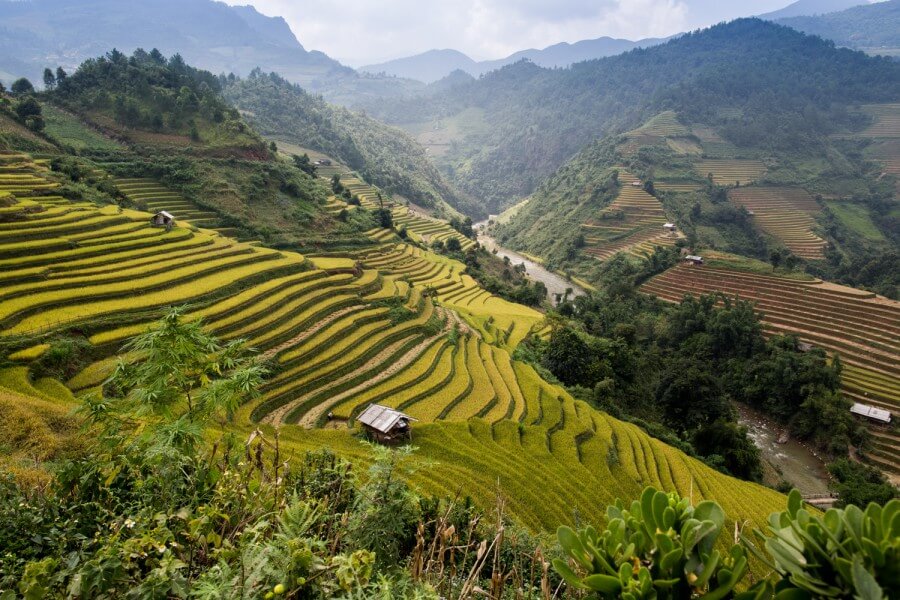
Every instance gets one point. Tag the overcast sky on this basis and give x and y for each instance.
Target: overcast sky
(357, 32)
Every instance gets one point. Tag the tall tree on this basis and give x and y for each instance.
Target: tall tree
(49, 79)
(61, 75)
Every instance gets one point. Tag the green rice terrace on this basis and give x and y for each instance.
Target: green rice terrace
(787, 214)
(860, 327)
(633, 223)
(394, 324)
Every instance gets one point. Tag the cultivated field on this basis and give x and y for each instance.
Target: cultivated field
(730, 171)
(786, 214)
(393, 323)
(633, 223)
(886, 122)
(860, 327)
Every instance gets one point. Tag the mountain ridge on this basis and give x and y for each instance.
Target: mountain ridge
(432, 65)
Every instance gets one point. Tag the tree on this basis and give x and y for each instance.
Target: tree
(2, 88)
(690, 397)
(61, 75)
(186, 378)
(860, 484)
(22, 86)
(740, 455)
(453, 245)
(775, 257)
(304, 164)
(49, 79)
(568, 356)
(30, 112)
(28, 107)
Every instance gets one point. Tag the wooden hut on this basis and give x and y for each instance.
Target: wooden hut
(385, 425)
(692, 259)
(670, 227)
(163, 219)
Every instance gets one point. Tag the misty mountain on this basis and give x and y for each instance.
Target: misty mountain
(507, 131)
(873, 28)
(211, 35)
(433, 65)
(806, 8)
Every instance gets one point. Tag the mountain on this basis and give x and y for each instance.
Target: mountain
(211, 35)
(872, 28)
(433, 65)
(383, 155)
(504, 133)
(427, 67)
(804, 8)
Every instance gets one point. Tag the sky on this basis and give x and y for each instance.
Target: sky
(359, 32)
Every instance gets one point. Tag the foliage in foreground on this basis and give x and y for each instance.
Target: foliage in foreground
(662, 547)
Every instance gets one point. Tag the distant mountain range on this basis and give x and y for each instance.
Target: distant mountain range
(872, 28)
(808, 8)
(211, 35)
(434, 65)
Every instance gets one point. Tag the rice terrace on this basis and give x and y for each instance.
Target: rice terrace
(605, 318)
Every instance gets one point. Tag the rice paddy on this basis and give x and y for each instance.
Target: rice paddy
(864, 329)
(786, 214)
(393, 323)
(633, 223)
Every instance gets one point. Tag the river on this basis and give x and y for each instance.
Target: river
(797, 464)
(556, 284)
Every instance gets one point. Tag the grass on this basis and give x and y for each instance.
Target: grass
(856, 218)
(70, 131)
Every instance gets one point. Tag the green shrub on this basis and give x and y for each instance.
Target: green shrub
(659, 547)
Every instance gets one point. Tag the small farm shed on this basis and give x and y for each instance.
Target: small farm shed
(163, 219)
(636, 183)
(870, 412)
(693, 259)
(323, 162)
(385, 425)
(670, 227)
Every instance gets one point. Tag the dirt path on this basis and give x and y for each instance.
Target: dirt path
(305, 335)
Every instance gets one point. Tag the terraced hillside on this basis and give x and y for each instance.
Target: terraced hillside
(393, 323)
(153, 197)
(864, 329)
(730, 171)
(633, 223)
(886, 120)
(786, 214)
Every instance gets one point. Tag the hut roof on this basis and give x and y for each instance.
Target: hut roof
(693, 257)
(871, 412)
(166, 214)
(669, 225)
(382, 418)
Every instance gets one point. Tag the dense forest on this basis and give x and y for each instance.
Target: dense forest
(767, 74)
(383, 155)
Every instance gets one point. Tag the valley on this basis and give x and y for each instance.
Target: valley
(622, 320)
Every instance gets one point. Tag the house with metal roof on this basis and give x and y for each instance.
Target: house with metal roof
(870, 412)
(385, 425)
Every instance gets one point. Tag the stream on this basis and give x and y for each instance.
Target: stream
(556, 284)
(797, 464)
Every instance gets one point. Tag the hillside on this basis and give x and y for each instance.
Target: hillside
(873, 28)
(341, 336)
(744, 198)
(512, 128)
(383, 155)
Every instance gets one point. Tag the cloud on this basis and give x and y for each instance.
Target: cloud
(367, 31)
